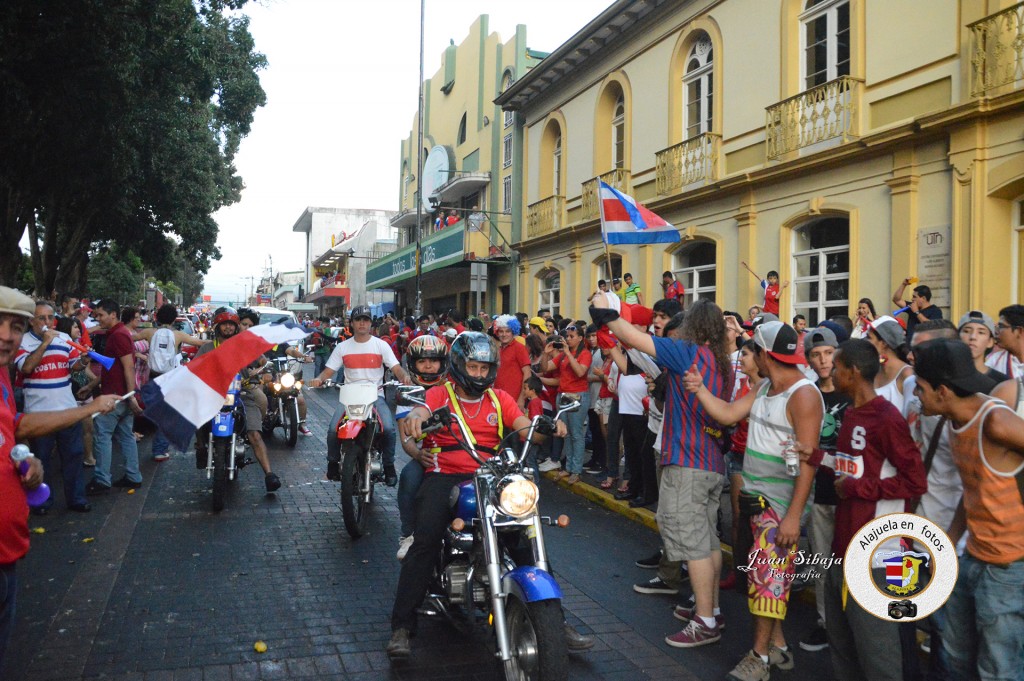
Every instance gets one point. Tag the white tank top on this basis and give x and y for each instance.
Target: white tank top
(891, 390)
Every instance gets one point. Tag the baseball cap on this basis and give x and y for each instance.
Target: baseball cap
(451, 333)
(944, 361)
(616, 280)
(841, 334)
(361, 312)
(820, 336)
(890, 331)
(977, 317)
(762, 318)
(539, 322)
(13, 301)
(779, 340)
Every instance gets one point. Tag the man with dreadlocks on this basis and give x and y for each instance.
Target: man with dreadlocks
(514, 368)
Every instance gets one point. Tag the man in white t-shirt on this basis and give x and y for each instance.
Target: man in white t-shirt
(364, 358)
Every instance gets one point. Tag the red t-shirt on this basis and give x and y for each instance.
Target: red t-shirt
(534, 407)
(675, 290)
(568, 381)
(13, 509)
(510, 368)
(119, 344)
(771, 298)
(482, 419)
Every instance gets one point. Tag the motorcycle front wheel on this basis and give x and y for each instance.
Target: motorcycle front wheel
(536, 640)
(291, 426)
(355, 502)
(221, 452)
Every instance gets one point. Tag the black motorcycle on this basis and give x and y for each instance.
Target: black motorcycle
(283, 398)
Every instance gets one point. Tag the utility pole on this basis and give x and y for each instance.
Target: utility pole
(419, 183)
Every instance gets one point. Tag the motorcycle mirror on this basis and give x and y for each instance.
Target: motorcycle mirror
(565, 403)
(411, 395)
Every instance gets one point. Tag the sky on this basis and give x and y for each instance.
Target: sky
(341, 90)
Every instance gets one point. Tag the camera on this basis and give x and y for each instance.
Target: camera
(557, 345)
(900, 609)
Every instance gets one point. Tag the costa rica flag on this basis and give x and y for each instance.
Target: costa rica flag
(625, 221)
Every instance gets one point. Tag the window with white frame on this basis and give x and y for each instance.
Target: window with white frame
(557, 168)
(506, 194)
(619, 133)
(821, 268)
(698, 87)
(695, 268)
(549, 295)
(506, 83)
(507, 155)
(825, 39)
(602, 269)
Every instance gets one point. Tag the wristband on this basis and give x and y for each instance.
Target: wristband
(602, 316)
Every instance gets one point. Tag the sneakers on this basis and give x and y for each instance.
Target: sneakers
(693, 635)
(398, 647)
(390, 475)
(593, 468)
(654, 586)
(272, 482)
(127, 484)
(750, 668)
(549, 465)
(161, 457)
(651, 562)
(816, 640)
(685, 613)
(783, 659)
(333, 470)
(403, 546)
(305, 430)
(95, 489)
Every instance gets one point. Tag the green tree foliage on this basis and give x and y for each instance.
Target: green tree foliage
(121, 122)
(115, 273)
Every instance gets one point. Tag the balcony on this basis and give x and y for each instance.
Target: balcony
(823, 114)
(694, 160)
(545, 217)
(620, 178)
(997, 50)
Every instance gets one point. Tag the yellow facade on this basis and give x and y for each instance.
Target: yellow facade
(846, 144)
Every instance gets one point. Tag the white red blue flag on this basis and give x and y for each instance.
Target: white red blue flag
(185, 398)
(624, 221)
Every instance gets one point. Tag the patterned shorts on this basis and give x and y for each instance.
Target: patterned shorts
(770, 569)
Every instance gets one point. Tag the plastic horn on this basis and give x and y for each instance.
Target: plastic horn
(107, 362)
(39, 495)
(900, 311)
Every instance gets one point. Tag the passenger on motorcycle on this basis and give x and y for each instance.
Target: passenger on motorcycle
(472, 369)
(364, 357)
(249, 318)
(226, 324)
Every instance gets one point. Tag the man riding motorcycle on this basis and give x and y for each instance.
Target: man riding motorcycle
(226, 324)
(472, 369)
(364, 357)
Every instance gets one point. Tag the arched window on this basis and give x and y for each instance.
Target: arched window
(506, 83)
(556, 168)
(821, 267)
(549, 294)
(619, 133)
(462, 130)
(695, 267)
(602, 269)
(825, 39)
(698, 88)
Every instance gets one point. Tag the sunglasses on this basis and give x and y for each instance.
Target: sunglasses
(570, 328)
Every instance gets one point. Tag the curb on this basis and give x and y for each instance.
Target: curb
(601, 498)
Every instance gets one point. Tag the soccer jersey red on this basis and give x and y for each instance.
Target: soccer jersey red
(482, 419)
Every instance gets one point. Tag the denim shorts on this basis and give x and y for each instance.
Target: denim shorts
(733, 463)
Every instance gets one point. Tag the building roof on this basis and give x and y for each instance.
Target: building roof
(305, 221)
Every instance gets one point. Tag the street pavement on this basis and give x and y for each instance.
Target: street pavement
(153, 586)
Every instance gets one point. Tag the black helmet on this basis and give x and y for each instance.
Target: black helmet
(250, 314)
(478, 347)
(428, 347)
(360, 311)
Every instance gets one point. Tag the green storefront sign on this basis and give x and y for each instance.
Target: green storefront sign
(439, 250)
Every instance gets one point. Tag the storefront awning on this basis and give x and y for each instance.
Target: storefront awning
(439, 250)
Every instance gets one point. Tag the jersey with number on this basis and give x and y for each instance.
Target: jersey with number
(363, 361)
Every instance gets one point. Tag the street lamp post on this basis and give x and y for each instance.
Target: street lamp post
(419, 162)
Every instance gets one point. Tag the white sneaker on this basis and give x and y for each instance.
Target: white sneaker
(403, 546)
(549, 465)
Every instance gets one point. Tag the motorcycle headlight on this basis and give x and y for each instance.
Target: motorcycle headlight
(287, 380)
(298, 384)
(517, 496)
(277, 387)
(357, 410)
(229, 400)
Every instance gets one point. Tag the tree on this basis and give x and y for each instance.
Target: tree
(115, 273)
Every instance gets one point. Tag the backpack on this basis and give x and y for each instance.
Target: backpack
(163, 355)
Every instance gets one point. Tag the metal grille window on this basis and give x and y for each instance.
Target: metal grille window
(506, 194)
(825, 37)
(619, 133)
(821, 266)
(550, 295)
(697, 88)
(507, 155)
(695, 268)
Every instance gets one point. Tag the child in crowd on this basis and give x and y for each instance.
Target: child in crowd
(772, 290)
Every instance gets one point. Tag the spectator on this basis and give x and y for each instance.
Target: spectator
(978, 331)
(865, 315)
(772, 290)
(800, 325)
(674, 289)
(598, 464)
(1009, 356)
(617, 289)
(632, 295)
(888, 337)
(752, 312)
(514, 364)
(919, 308)
(453, 217)
(602, 287)
(82, 383)
(571, 359)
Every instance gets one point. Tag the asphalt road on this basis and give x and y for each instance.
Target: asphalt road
(153, 586)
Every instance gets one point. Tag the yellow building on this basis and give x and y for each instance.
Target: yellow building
(470, 178)
(847, 144)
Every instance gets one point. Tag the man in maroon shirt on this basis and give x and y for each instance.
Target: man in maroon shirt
(119, 380)
(515, 360)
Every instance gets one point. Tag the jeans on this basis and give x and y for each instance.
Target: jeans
(985, 619)
(862, 646)
(160, 443)
(70, 449)
(388, 442)
(8, 591)
(108, 427)
(613, 445)
(408, 485)
(938, 663)
(576, 424)
(600, 455)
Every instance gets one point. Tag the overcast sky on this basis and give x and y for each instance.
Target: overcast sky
(341, 95)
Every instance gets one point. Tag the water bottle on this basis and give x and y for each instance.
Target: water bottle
(39, 495)
(792, 457)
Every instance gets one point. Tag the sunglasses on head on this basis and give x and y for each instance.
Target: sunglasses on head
(570, 328)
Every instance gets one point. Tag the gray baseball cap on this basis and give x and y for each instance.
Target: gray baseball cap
(819, 336)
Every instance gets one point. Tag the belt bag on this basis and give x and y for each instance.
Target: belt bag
(753, 504)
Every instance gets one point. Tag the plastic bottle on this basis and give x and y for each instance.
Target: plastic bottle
(39, 495)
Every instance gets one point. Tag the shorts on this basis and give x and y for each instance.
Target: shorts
(255, 403)
(603, 407)
(688, 503)
(769, 567)
(733, 463)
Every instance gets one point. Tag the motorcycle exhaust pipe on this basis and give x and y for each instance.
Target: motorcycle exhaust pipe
(231, 458)
(209, 457)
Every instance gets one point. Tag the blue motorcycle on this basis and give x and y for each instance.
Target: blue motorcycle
(493, 563)
(226, 443)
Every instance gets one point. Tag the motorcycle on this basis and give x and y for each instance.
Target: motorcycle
(496, 513)
(226, 443)
(282, 399)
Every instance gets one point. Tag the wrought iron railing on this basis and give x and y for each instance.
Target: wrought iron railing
(692, 160)
(997, 50)
(620, 178)
(545, 217)
(827, 111)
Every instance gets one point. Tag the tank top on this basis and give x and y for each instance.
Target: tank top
(995, 511)
(891, 391)
(764, 467)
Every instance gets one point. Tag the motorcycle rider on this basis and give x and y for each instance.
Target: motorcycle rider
(226, 324)
(249, 318)
(364, 357)
(473, 366)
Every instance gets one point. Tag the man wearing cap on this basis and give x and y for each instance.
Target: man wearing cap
(985, 612)
(978, 331)
(786, 413)
(364, 358)
(539, 328)
(16, 309)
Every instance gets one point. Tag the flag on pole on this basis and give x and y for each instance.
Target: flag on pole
(185, 398)
(624, 221)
